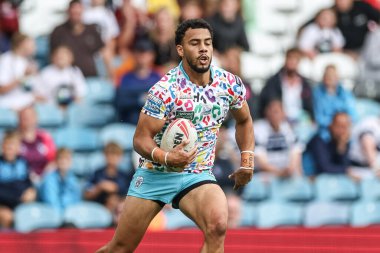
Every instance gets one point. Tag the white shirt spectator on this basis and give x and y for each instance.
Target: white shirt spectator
(51, 78)
(323, 40)
(13, 67)
(291, 101)
(105, 19)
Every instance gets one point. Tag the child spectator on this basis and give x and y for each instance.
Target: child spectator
(321, 36)
(15, 185)
(60, 82)
(109, 185)
(60, 188)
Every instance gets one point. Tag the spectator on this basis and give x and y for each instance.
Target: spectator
(162, 35)
(16, 71)
(228, 25)
(130, 95)
(109, 185)
(5, 42)
(84, 40)
(37, 145)
(190, 9)
(290, 87)
(60, 188)
(354, 19)
(321, 36)
(330, 97)
(330, 155)
(277, 151)
(364, 152)
(15, 185)
(60, 82)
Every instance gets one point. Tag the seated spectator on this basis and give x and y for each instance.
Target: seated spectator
(321, 36)
(15, 185)
(60, 82)
(60, 188)
(37, 145)
(109, 185)
(130, 95)
(330, 155)
(354, 21)
(5, 42)
(16, 72)
(330, 97)
(290, 87)
(364, 152)
(9, 23)
(277, 151)
(84, 40)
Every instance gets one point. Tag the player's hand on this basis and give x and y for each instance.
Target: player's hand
(241, 177)
(179, 158)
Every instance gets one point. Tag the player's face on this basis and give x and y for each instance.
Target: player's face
(196, 49)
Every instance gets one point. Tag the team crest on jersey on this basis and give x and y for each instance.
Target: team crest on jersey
(139, 181)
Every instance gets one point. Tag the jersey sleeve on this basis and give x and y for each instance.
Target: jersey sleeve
(159, 101)
(238, 94)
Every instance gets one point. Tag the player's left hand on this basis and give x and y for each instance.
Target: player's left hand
(241, 177)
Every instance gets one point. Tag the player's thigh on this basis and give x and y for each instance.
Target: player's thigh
(135, 218)
(206, 205)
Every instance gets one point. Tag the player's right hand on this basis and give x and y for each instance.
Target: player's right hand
(179, 158)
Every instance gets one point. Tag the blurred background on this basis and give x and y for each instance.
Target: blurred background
(74, 76)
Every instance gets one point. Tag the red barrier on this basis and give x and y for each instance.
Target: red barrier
(290, 240)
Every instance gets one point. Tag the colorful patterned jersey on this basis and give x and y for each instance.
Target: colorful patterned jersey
(175, 96)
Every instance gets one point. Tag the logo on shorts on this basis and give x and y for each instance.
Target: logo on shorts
(139, 181)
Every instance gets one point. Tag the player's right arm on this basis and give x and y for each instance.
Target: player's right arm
(143, 142)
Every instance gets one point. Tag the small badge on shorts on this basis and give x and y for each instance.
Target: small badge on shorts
(139, 181)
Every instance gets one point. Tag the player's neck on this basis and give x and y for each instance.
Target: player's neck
(199, 79)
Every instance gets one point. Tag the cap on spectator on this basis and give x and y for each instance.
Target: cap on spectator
(143, 45)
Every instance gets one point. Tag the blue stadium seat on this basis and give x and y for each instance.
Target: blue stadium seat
(292, 189)
(8, 118)
(80, 165)
(49, 116)
(99, 90)
(33, 216)
(249, 215)
(335, 188)
(367, 108)
(79, 139)
(277, 213)
(119, 133)
(319, 214)
(256, 189)
(90, 115)
(88, 215)
(42, 51)
(175, 219)
(97, 160)
(365, 213)
(370, 189)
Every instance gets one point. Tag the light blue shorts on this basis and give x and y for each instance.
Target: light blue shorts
(166, 187)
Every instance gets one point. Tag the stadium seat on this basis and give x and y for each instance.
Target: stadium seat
(335, 188)
(319, 214)
(80, 165)
(264, 44)
(293, 189)
(99, 90)
(175, 219)
(276, 214)
(255, 190)
(79, 139)
(367, 108)
(88, 215)
(90, 115)
(49, 116)
(254, 67)
(96, 160)
(119, 133)
(32, 216)
(248, 216)
(365, 213)
(8, 118)
(42, 51)
(370, 189)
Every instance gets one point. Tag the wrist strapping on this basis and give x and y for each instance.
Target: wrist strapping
(247, 151)
(247, 168)
(152, 154)
(166, 157)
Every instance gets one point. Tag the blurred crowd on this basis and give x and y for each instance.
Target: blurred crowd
(305, 124)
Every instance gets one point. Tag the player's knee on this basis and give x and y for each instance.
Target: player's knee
(217, 227)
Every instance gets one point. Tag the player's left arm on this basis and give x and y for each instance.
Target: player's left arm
(245, 140)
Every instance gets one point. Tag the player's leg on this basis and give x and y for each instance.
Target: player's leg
(206, 205)
(134, 220)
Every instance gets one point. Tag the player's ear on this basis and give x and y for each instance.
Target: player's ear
(180, 50)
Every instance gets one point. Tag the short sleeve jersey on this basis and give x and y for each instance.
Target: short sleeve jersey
(175, 96)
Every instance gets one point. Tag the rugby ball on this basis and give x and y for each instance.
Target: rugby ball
(178, 131)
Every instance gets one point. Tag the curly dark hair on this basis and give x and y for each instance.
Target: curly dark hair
(193, 24)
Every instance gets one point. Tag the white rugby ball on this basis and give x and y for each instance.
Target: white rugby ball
(178, 131)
